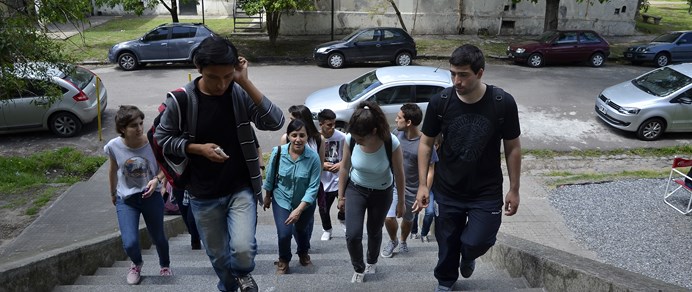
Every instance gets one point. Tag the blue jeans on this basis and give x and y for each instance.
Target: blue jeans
(301, 230)
(429, 215)
(227, 227)
(468, 230)
(128, 212)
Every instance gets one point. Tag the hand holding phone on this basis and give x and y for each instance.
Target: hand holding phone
(219, 151)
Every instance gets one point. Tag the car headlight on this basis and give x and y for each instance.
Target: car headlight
(322, 50)
(629, 110)
(643, 50)
(520, 50)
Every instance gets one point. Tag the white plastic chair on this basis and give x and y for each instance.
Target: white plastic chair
(676, 186)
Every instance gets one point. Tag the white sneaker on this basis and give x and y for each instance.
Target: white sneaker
(133, 275)
(343, 224)
(388, 250)
(327, 235)
(370, 268)
(357, 278)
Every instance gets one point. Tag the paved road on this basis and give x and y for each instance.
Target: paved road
(555, 103)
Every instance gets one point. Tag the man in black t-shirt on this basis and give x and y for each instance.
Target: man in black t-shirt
(468, 176)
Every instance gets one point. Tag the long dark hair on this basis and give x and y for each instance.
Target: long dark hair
(303, 113)
(368, 116)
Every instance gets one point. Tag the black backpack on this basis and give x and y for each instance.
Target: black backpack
(177, 180)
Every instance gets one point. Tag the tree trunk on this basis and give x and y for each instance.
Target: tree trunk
(551, 13)
(398, 14)
(460, 24)
(174, 10)
(273, 25)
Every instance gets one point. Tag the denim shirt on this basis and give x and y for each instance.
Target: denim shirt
(298, 181)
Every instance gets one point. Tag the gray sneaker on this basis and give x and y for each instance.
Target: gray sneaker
(403, 247)
(247, 284)
(388, 250)
(441, 288)
(425, 238)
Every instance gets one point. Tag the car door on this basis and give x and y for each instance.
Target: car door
(563, 49)
(181, 42)
(366, 46)
(391, 41)
(589, 42)
(682, 49)
(681, 116)
(26, 108)
(392, 98)
(154, 45)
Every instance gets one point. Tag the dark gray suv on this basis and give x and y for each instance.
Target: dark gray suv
(174, 42)
(665, 49)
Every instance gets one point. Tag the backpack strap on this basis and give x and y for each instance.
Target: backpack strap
(499, 94)
(182, 99)
(445, 96)
(387, 148)
(275, 164)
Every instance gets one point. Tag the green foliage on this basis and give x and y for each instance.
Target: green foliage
(644, 152)
(674, 15)
(274, 9)
(41, 201)
(136, 6)
(24, 40)
(21, 173)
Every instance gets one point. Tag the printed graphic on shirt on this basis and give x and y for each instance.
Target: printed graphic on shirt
(135, 171)
(468, 135)
(332, 151)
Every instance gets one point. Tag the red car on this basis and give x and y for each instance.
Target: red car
(561, 46)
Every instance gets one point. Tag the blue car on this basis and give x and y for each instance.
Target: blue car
(390, 44)
(665, 49)
(174, 42)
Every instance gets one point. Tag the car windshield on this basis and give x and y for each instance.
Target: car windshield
(361, 85)
(662, 82)
(667, 38)
(546, 36)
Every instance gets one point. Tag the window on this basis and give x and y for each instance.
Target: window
(425, 92)
(394, 95)
(391, 35)
(157, 34)
(180, 32)
(567, 37)
(686, 39)
(366, 36)
(588, 38)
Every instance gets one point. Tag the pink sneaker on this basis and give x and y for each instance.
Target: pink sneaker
(133, 276)
(166, 271)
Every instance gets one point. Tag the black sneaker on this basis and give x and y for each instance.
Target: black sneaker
(247, 284)
(466, 268)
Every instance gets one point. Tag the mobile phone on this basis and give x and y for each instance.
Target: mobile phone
(219, 151)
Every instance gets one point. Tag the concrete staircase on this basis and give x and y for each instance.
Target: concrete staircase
(331, 270)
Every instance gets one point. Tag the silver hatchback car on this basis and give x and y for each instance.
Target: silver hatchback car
(390, 87)
(656, 102)
(31, 110)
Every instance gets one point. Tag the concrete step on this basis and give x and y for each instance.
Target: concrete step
(331, 270)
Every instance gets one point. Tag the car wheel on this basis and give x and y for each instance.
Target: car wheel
(64, 124)
(597, 60)
(341, 126)
(127, 61)
(335, 60)
(403, 59)
(662, 59)
(535, 60)
(651, 129)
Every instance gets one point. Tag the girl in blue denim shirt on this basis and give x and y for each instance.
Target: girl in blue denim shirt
(293, 192)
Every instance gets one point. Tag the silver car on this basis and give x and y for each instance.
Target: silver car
(656, 102)
(390, 87)
(31, 110)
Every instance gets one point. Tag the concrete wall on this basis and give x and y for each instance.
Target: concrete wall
(211, 8)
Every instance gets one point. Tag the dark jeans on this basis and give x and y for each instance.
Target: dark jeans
(301, 230)
(324, 214)
(469, 230)
(186, 212)
(360, 200)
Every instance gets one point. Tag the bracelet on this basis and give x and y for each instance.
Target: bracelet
(342, 199)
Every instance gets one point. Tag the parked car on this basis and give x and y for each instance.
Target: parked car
(656, 102)
(667, 48)
(173, 42)
(390, 87)
(369, 44)
(30, 109)
(561, 46)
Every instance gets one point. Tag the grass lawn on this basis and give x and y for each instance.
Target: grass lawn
(674, 17)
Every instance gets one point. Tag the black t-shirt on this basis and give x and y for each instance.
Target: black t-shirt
(216, 124)
(469, 166)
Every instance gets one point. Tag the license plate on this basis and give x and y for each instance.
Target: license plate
(602, 109)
